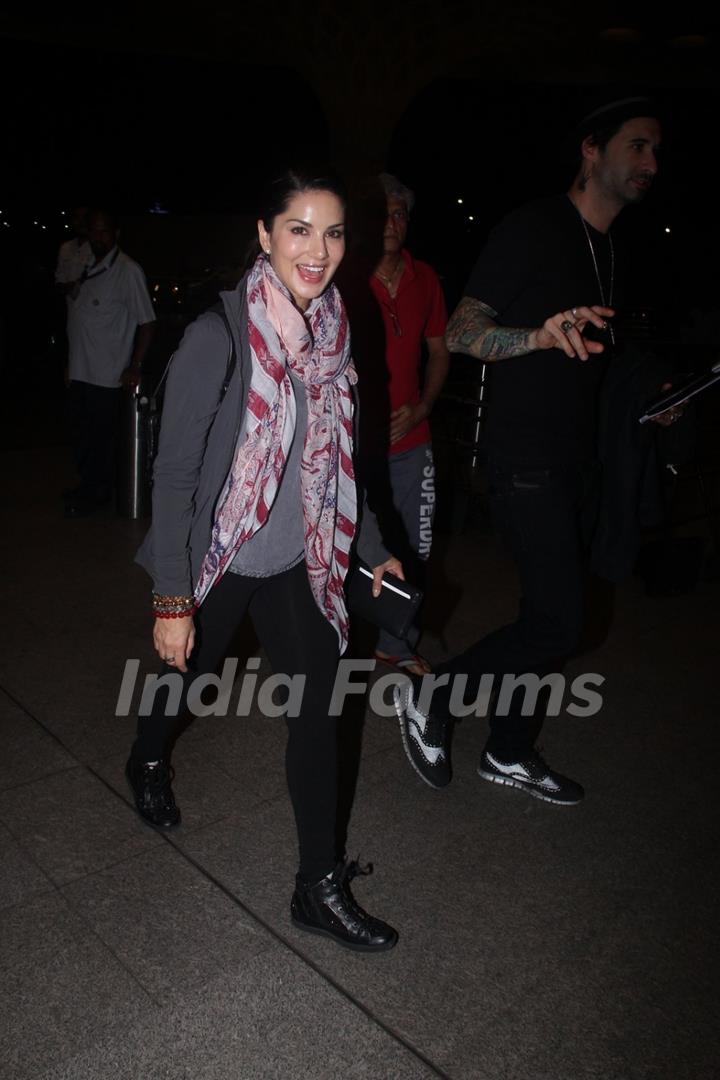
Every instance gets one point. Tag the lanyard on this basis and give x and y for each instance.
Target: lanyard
(87, 276)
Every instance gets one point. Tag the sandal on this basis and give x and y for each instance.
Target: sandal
(408, 665)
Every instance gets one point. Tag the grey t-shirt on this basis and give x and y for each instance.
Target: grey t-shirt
(280, 543)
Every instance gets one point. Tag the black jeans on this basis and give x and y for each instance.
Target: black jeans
(544, 516)
(93, 417)
(298, 640)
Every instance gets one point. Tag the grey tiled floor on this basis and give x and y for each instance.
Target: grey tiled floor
(536, 943)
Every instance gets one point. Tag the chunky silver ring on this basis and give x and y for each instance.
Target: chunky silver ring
(566, 326)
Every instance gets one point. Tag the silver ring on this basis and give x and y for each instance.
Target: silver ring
(566, 326)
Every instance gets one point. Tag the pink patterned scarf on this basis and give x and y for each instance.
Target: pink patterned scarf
(316, 347)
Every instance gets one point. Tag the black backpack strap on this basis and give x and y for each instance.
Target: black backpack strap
(216, 309)
(219, 309)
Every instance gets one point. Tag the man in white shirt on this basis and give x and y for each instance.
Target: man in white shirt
(111, 322)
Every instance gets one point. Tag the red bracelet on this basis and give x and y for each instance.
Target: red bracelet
(175, 614)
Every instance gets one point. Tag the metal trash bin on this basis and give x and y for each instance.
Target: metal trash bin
(136, 446)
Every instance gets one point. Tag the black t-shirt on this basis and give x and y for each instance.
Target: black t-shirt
(537, 262)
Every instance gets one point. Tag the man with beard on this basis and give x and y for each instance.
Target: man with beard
(538, 307)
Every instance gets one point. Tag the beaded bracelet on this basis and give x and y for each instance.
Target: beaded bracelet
(172, 607)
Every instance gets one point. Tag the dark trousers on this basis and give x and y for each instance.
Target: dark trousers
(298, 641)
(93, 417)
(544, 516)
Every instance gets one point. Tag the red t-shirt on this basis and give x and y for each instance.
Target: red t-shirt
(417, 312)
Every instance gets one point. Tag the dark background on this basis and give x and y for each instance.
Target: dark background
(180, 146)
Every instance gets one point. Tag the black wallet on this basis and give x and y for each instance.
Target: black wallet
(394, 610)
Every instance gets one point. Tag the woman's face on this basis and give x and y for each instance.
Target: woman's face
(306, 244)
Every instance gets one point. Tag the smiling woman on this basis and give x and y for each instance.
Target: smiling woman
(254, 512)
(306, 243)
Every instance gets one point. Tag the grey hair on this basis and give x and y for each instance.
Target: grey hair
(395, 190)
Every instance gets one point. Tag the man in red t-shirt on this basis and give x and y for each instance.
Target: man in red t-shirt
(413, 310)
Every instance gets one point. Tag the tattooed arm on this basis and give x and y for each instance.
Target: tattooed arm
(473, 330)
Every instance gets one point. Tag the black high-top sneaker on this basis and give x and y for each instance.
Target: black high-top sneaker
(329, 908)
(154, 799)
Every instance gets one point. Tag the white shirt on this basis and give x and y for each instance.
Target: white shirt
(102, 319)
(73, 257)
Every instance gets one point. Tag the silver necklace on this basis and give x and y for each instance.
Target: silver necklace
(608, 302)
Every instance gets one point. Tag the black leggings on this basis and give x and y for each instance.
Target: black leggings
(298, 641)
